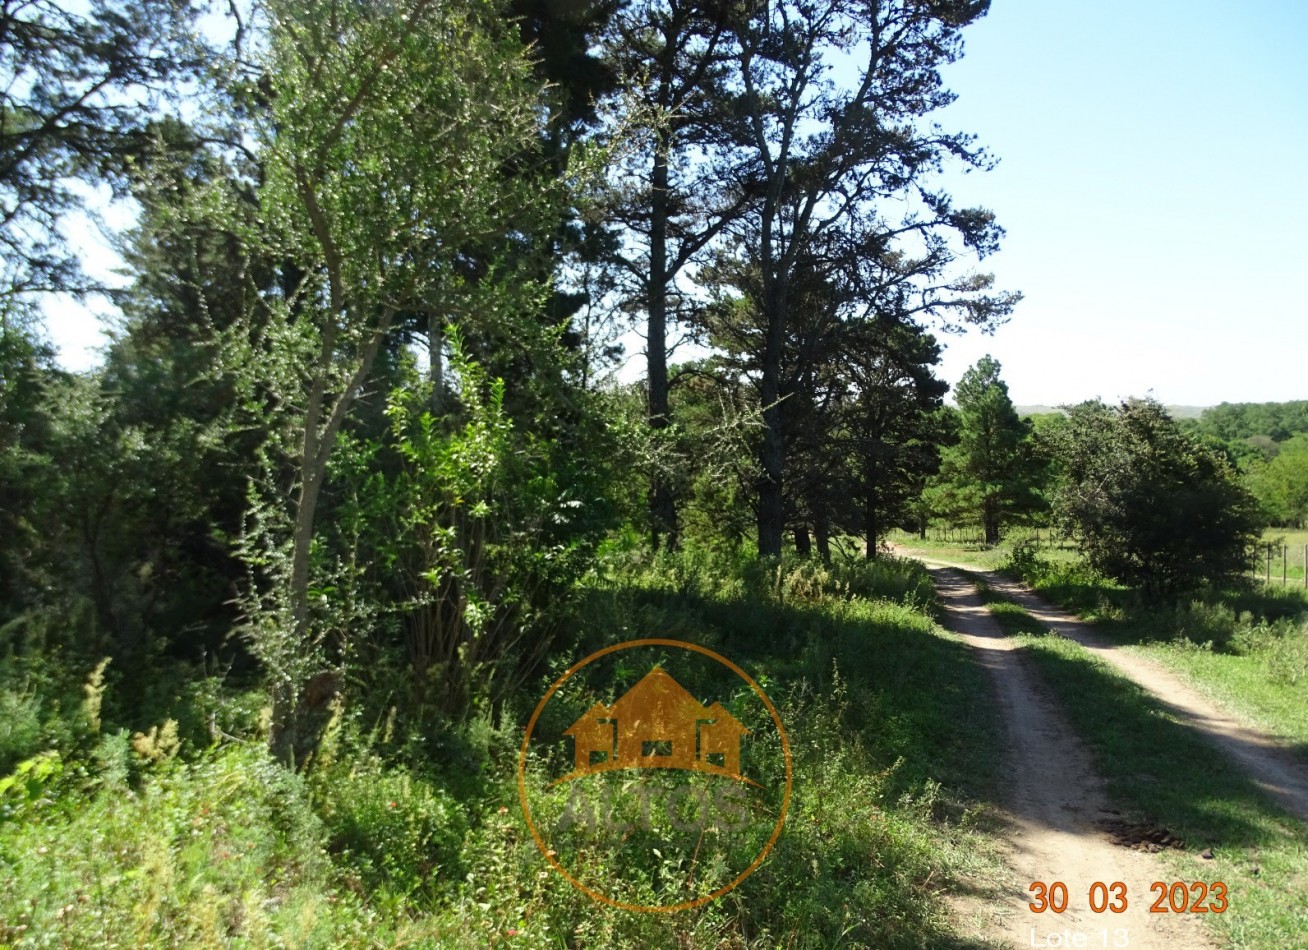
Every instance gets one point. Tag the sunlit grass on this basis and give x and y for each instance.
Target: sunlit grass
(1169, 776)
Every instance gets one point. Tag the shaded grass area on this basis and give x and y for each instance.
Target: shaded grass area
(1012, 618)
(111, 841)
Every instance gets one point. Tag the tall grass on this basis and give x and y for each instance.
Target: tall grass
(111, 841)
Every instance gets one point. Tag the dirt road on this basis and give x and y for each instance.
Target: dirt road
(1262, 757)
(1056, 799)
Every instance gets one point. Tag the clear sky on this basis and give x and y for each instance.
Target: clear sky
(1153, 180)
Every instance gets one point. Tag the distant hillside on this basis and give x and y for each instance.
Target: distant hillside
(1242, 420)
(1176, 412)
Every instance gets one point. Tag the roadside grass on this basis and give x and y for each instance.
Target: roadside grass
(111, 842)
(1268, 687)
(224, 847)
(890, 754)
(1171, 778)
(1247, 647)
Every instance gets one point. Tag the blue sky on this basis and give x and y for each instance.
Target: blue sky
(1152, 170)
(1152, 181)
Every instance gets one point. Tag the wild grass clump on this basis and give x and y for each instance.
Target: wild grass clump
(226, 848)
(885, 578)
(1282, 648)
(392, 832)
(865, 854)
(867, 847)
(20, 725)
(178, 829)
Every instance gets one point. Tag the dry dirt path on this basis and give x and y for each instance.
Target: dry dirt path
(1054, 802)
(1264, 758)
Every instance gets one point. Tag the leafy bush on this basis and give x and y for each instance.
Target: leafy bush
(203, 854)
(20, 726)
(1151, 506)
(1214, 624)
(468, 534)
(1024, 560)
(1281, 645)
(396, 830)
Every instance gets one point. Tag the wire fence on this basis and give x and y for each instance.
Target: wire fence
(1279, 563)
(975, 534)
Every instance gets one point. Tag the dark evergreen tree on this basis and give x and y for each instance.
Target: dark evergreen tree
(671, 57)
(1150, 506)
(990, 476)
(819, 158)
(79, 85)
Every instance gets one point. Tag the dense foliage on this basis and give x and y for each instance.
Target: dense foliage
(1150, 506)
(990, 475)
(1281, 482)
(1277, 421)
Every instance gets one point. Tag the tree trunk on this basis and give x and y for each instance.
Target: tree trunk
(436, 372)
(822, 533)
(663, 509)
(991, 519)
(871, 526)
(284, 738)
(771, 502)
(803, 543)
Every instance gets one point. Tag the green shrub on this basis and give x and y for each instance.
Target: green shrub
(1281, 646)
(223, 850)
(1024, 561)
(1207, 623)
(20, 726)
(396, 830)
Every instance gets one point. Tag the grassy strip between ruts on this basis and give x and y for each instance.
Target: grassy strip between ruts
(1173, 779)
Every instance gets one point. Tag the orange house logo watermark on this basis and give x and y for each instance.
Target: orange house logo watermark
(710, 789)
(657, 724)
